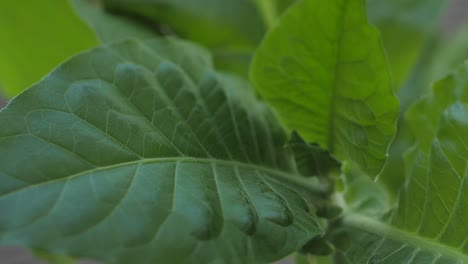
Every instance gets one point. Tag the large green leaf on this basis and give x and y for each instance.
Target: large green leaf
(324, 70)
(430, 224)
(230, 28)
(140, 153)
(36, 36)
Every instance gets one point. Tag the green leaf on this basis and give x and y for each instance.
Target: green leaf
(231, 28)
(311, 160)
(139, 152)
(204, 21)
(35, 37)
(412, 21)
(324, 70)
(430, 223)
(108, 27)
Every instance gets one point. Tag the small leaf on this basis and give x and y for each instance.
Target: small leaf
(430, 223)
(139, 152)
(325, 72)
(311, 160)
(36, 36)
(318, 247)
(331, 212)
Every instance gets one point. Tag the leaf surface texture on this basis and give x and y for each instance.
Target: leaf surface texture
(140, 152)
(324, 71)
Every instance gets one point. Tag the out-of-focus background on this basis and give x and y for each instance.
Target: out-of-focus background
(456, 15)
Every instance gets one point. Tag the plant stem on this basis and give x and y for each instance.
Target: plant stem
(268, 11)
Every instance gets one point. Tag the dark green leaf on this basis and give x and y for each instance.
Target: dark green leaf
(324, 70)
(318, 247)
(140, 153)
(311, 160)
(36, 36)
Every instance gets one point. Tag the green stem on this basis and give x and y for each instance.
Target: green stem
(268, 11)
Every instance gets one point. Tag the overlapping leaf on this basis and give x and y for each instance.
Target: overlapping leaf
(311, 160)
(324, 70)
(200, 20)
(230, 28)
(139, 153)
(430, 224)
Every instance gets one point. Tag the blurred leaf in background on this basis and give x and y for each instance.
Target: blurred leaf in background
(110, 27)
(36, 36)
(451, 52)
(405, 27)
(420, 52)
(212, 23)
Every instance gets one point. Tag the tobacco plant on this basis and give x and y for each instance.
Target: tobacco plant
(236, 131)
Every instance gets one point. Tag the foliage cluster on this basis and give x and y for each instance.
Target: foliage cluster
(234, 131)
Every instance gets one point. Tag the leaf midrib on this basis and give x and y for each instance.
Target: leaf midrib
(336, 70)
(371, 225)
(290, 177)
